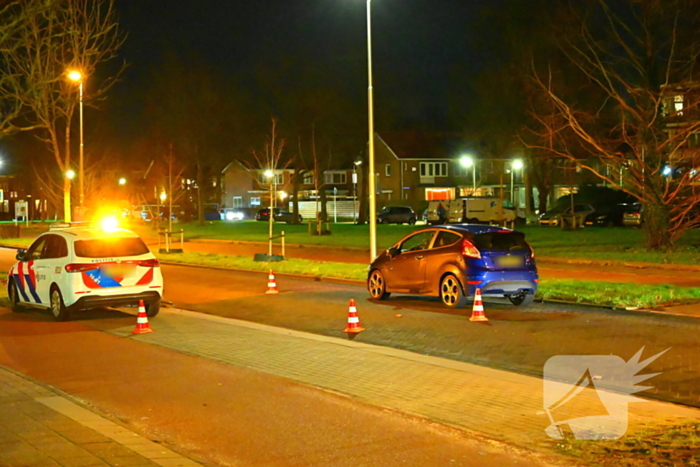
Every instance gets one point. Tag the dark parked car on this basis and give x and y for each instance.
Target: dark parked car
(396, 215)
(452, 261)
(554, 215)
(607, 216)
(634, 215)
(280, 215)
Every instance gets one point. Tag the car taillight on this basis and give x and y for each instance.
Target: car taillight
(468, 249)
(149, 263)
(77, 267)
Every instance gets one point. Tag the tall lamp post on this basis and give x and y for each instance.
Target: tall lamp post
(77, 77)
(517, 164)
(68, 176)
(370, 109)
(270, 175)
(354, 186)
(468, 161)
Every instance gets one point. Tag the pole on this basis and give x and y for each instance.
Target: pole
(66, 199)
(370, 107)
(354, 192)
(474, 179)
(272, 213)
(81, 168)
(512, 193)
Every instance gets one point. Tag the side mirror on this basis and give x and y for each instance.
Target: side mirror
(393, 251)
(20, 254)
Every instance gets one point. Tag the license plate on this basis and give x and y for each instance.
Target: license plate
(509, 261)
(118, 270)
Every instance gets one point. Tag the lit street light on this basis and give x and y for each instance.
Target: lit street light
(122, 181)
(370, 109)
(468, 161)
(516, 164)
(77, 77)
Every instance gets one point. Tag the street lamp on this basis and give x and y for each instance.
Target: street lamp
(270, 175)
(516, 164)
(370, 110)
(468, 161)
(354, 187)
(77, 77)
(122, 181)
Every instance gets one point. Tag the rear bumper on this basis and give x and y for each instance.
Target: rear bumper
(503, 282)
(97, 301)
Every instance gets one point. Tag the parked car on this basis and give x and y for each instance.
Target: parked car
(634, 215)
(553, 216)
(280, 215)
(69, 269)
(607, 216)
(396, 215)
(452, 261)
(474, 210)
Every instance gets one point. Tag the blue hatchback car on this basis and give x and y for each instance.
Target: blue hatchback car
(452, 261)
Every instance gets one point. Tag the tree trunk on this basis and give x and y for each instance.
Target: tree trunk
(657, 222)
(298, 173)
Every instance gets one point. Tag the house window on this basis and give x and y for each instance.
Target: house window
(255, 200)
(335, 178)
(308, 178)
(678, 104)
(387, 170)
(433, 169)
(237, 201)
(278, 178)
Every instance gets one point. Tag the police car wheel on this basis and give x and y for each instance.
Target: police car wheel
(152, 309)
(58, 308)
(14, 296)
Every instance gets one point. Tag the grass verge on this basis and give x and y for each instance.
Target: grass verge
(668, 446)
(621, 295)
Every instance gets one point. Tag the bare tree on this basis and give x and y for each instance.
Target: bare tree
(47, 39)
(636, 118)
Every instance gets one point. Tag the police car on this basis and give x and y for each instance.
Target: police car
(72, 268)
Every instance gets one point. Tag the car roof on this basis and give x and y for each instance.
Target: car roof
(89, 233)
(475, 229)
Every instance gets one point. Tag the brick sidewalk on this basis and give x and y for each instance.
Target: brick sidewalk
(40, 428)
(502, 405)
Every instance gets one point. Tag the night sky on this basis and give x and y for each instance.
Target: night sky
(419, 46)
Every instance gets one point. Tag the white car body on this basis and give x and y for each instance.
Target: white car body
(76, 268)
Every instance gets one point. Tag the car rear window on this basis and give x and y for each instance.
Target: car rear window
(500, 241)
(110, 247)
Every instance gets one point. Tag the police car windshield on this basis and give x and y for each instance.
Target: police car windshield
(110, 247)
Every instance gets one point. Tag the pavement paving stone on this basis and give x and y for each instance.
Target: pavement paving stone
(500, 404)
(34, 434)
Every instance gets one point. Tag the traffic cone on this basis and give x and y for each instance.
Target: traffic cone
(142, 326)
(271, 284)
(353, 321)
(478, 309)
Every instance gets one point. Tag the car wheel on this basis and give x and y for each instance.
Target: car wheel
(523, 299)
(152, 308)
(377, 286)
(385, 221)
(58, 308)
(451, 292)
(13, 294)
(412, 221)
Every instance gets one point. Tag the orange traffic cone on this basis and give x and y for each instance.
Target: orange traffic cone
(353, 321)
(478, 309)
(271, 284)
(142, 326)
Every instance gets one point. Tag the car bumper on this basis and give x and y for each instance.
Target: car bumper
(502, 283)
(98, 301)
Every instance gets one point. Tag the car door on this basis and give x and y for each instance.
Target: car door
(440, 257)
(406, 270)
(30, 272)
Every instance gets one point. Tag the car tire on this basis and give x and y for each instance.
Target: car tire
(153, 308)
(385, 221)
(412, 221)
(451, 292)
(523, 299)
(57, 306)
(13, 295)
(376, 285)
